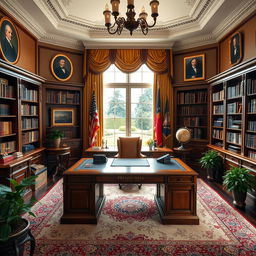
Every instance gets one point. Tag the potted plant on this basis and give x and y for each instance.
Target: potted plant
(239, 181)
(14, 230)
(212, 162)
(150, 143)
(55, 136)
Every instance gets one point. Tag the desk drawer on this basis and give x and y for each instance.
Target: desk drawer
(181, 179)
(20, 166)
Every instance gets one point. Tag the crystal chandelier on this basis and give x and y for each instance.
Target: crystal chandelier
(130, 23)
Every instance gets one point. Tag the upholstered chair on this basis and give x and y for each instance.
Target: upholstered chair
(129, 147)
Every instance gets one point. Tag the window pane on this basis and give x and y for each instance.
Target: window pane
(120, 77)
(148, 77)
(135, 95)
(136, 77)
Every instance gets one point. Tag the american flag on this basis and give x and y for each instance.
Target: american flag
(158, 121)
(94, 123)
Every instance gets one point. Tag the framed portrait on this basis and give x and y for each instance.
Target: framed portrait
(61, 67)
(194, 68)
(235, 49)
(63, 116)
(10, 44)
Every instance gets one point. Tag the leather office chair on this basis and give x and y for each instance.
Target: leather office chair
(129, 147)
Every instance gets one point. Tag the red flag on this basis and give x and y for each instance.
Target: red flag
(158, 121)
(94, 123)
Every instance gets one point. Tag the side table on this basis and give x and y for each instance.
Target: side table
(61, 156)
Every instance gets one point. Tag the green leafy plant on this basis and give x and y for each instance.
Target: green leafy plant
(56, 134)
(239, 179)
(13, 206)
(210, 160)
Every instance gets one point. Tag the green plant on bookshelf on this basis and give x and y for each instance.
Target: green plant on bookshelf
(239, 180)
(55, 137)
(14, 230)
(212, 162)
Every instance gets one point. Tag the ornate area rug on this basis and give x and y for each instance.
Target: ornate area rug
(130, 225)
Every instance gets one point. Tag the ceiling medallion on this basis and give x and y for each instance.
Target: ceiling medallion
(130, 23)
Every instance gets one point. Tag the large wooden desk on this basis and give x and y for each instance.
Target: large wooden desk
(111, 152)
(175, 197)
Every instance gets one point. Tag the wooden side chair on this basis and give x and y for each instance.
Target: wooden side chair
(129, 147)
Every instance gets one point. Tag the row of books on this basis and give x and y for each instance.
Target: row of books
(234, 122)
(218, 95)
(218, 134)
(218, 122)
(218, 109)
(5, 109)
(192, 121)
(62, 97)
(5, 128)
(192, 97)
(235, 107)
(250, 140)
(6, 91)
(29, 137)
(192, 110)
(252, 154)
(252, 125)
(198, 133)
(29, 123)
(234, 148)
(235, 91)
(7, 147)
(29, 94)
(251, 86)
(252, 106)
(234, 137)
(27, 109)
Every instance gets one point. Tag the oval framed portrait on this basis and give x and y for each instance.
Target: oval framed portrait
(10, 43)
(61, 67)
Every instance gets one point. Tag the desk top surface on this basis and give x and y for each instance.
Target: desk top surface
(178, 167)
(102, 150)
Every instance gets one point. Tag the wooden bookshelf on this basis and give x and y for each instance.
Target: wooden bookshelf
(19, 87)
(191, 111)
(59, 96)
(237, 122)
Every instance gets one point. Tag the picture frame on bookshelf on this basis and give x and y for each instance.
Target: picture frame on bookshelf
(235, 48)
(61, 67)
(63, 116)
(9, 41)
(194, 68)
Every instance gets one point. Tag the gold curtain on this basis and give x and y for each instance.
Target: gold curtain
(97, 61)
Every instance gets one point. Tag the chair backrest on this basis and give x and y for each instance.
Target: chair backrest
(129, 147)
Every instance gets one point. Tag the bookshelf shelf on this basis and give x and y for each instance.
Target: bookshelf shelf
(251, 148)
(63, 104)
(7, 135)
(217, 127)
(233, 143)
(29, 116)
(233, 129)
(7, 98)
(217, 101)
(30, 101)
(30, 129)
(8, 116)
(251, 131)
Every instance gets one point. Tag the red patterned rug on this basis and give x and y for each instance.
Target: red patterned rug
(129, 225)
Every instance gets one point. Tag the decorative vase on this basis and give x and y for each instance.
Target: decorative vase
(150, 147)
(239, 198)
(56, 143)
(15, 244)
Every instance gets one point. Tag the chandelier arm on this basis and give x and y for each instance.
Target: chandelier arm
(142, 20)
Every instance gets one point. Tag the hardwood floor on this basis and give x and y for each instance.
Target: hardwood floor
(249, 212)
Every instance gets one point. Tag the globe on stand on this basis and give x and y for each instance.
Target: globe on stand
(183, 135)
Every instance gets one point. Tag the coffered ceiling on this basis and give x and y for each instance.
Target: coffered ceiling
(80, 23)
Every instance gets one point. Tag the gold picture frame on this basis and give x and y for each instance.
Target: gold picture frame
(63, 116)
(9, 41)
(61, 67)
(235, 48)
(194, 67)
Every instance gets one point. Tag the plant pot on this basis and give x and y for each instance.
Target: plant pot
(150, 147)
(210, 174)
(56, 143)
(239, 198)
(14, 246)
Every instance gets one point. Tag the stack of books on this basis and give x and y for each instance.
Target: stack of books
(5, 128)
(6, 91)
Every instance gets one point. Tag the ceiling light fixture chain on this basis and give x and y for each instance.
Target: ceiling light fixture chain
(130, 23)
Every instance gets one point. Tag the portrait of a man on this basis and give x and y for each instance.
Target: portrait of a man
(9, 41)
(61, 67)
(235, 46)
(194, 68)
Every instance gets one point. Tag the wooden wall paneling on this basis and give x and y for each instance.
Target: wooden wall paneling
(248, 30)
(28, 45)
(46, 52)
